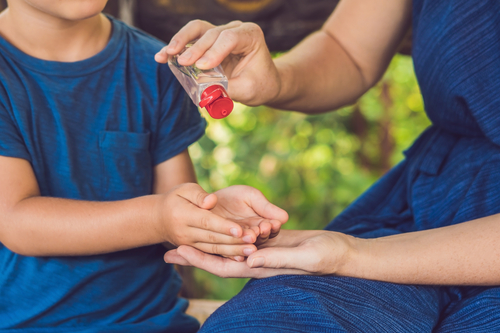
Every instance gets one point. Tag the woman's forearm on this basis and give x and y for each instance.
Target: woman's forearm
(462, 254)
(336, 65)
(42, 226)
(318, 76)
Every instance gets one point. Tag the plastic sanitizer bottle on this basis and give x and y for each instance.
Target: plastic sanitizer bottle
(207, 88)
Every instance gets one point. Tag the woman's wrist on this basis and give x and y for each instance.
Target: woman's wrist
(286, 90)
(355, 254)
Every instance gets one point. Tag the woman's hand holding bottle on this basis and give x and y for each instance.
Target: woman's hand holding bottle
(242, 51)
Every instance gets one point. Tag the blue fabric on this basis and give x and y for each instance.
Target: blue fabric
(450, 175)
(93, 130)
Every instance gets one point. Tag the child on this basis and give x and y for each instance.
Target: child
(90, 127)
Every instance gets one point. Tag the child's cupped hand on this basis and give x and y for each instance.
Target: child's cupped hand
(251, 210)
(229, 222)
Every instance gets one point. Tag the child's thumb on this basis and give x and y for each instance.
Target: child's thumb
(195, 194)
(209, 201)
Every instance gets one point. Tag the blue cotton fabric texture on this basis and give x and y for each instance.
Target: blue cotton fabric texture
(450, 175)
(94, 130)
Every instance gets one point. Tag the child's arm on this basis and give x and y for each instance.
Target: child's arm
(43, 226)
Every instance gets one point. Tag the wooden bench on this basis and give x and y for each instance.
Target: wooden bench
(201, 309)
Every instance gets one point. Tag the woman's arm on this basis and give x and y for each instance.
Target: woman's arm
(331, 68)
(462, 254)
(338, 64)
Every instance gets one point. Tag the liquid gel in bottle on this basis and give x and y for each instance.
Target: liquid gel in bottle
(206, 87)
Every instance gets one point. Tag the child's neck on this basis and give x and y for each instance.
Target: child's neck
(50, 38)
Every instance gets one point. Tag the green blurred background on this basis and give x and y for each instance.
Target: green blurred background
(311, 166)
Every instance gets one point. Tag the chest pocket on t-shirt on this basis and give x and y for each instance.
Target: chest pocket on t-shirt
(126, 164)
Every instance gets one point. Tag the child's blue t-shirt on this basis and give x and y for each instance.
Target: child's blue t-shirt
(94, 130)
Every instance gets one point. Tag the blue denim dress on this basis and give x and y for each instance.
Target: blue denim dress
(451, 174)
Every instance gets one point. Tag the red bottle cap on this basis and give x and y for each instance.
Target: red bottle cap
(217, 102)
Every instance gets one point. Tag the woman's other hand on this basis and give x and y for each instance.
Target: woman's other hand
(313, 252)
(242, 50)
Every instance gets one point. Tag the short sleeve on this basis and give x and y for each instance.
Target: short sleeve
(11, 141)
(179, 124)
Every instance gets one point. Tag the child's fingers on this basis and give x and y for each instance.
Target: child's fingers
(250, 234)
(236, 258)
(265, 230)
(208, 236)
(275, 228)
(226, 250)
(207, 220)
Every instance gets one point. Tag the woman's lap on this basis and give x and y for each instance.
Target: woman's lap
(471, 309)
(328, 304)
(337, 304)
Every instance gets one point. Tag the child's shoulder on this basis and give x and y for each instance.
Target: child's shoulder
(138, 40)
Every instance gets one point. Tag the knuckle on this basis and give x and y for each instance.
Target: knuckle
(215, 249)
(229, 35)
(212, 238)
(204, 223)
(214, 32)
(196, 23)
(253, 28)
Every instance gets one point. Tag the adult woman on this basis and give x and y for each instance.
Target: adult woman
(410, 227)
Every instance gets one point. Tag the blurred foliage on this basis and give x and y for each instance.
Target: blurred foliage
(311, 166)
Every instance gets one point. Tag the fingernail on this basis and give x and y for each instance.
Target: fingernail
(248, 251)
(202, 61)
(257, 262)
(239, 258)
(172, 45)
(186, 55)
(247, 239)
(234, 232)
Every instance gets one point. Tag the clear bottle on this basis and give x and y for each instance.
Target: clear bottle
(207, 88)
